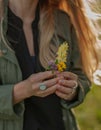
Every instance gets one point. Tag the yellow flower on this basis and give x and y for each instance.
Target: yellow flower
(62, 56)
(61, 59)
(61, 66)
(62, 52)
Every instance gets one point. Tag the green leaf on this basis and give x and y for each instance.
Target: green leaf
(56, 61)
(48, 68)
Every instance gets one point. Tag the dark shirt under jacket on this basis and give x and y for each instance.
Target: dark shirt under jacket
(40, 113)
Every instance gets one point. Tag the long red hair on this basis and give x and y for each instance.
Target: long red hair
(85, 30)
(86, 33)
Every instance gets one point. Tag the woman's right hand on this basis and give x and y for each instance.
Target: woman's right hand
(45, 78)
(30, 86)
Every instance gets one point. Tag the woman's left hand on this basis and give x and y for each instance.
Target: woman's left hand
(66, 88)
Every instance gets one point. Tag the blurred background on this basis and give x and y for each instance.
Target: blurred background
(89, 112)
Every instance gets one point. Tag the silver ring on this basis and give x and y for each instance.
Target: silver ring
(76, 85)
(74, 88)
(42, 87)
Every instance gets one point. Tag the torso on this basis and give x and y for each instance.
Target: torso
(38, 111)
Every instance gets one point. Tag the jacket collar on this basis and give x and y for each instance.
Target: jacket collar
(6, 51)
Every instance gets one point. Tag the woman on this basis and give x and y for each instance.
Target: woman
(30, 33)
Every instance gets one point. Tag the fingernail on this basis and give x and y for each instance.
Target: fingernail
(60, 81)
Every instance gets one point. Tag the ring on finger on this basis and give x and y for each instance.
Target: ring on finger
(76, 85)
(73, 91)
(42, 87)
(74, 88)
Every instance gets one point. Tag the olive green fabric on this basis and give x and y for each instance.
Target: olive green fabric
(11, 117)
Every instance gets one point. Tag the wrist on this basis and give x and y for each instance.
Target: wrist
(20, 92)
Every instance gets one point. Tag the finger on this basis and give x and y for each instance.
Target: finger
(68, 97)
(47, 83)
(48, 91)
(68, 83)
(68, 75)
(43, 93)
(62, 95)
(41, 76)
(52, 82)
(64, 90)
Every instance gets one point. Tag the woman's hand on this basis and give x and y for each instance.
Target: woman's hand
(43, 78)
(31, 86)
(66, 88)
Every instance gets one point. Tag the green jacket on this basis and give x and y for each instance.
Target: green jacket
(11, 117)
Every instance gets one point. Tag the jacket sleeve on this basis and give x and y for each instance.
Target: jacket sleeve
(7, 109)
(76, 67)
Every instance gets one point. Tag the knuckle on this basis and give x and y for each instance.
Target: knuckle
(42, 96)
(41, 74)
(64, 82)
(32, 78)
(65, 97)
